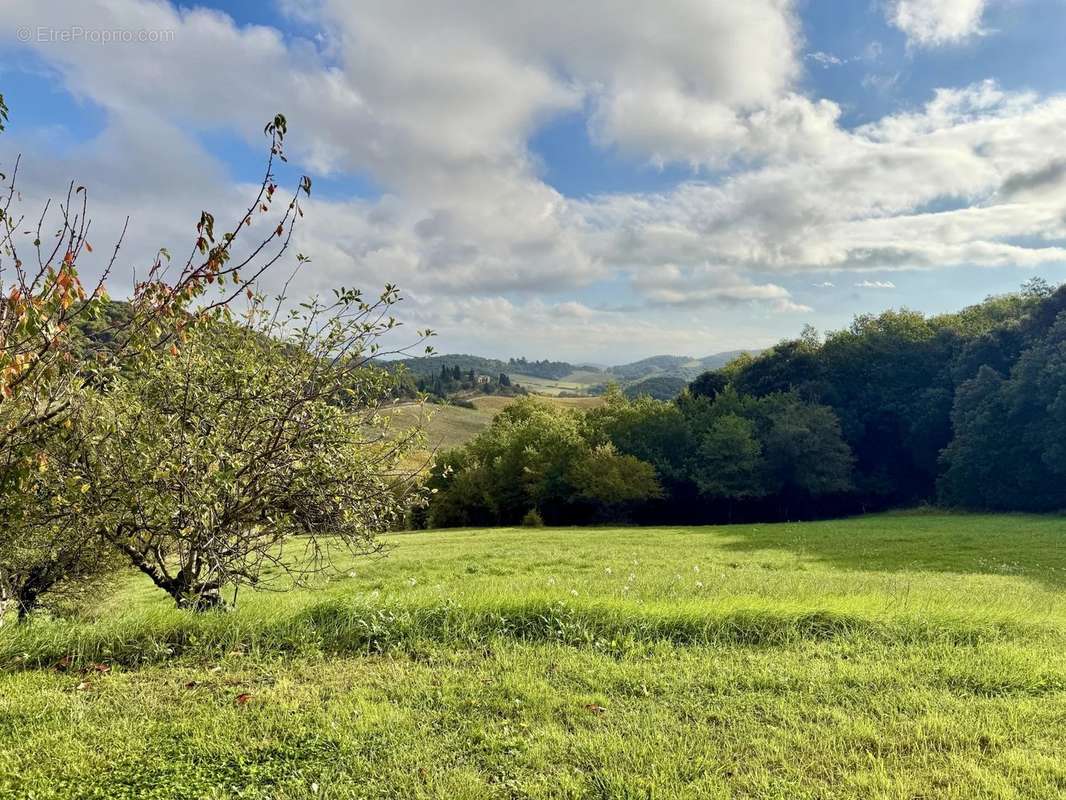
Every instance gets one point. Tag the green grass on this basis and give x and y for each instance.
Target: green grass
(893, 656)
(448, 426)
(445, 426)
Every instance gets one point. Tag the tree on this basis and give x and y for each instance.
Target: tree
(254, 446)
(50, 371)
(612, 482)
(45, 554)
(1037, 287)
(982, 446)
(1008, 450)
(709, 384)
(803, 449)
(648, 429)
(728, 459)
(535, 456)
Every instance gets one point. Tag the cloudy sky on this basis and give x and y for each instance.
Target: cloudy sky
(593, 180)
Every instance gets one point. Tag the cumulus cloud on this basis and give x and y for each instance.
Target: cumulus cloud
(868, 202)
(437, 103)
(929, 23)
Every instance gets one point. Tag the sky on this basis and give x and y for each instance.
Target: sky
(588, 180)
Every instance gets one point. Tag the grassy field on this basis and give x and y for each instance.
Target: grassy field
(450, 425)
(894, 656)
(576, 382)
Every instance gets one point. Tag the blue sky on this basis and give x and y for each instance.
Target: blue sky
(599, 181)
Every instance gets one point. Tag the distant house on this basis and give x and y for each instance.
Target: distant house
(482, 379)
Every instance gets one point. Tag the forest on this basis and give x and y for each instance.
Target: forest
(900, 409)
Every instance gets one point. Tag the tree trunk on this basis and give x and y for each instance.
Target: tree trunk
(27, 601)
(201, 597)
(27, 596)
(187, 591)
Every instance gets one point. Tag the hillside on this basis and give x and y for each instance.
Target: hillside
(559, 377)
(449, 426)
(674, 366)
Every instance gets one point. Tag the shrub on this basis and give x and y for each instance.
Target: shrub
(532, 519)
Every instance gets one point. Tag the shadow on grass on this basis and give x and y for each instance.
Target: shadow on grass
(346, 627)
(1026, 546)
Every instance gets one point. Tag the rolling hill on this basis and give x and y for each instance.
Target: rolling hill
(560, 377)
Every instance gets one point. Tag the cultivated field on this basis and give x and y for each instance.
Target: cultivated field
(894, 656)
(578, 381)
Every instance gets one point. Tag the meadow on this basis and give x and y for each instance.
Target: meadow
(575, 382)
(448, 426)
(900, 655)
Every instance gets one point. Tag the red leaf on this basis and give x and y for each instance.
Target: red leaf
(242, 698)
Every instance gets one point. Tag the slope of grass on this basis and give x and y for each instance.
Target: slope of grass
(902, 655)
(450, 426)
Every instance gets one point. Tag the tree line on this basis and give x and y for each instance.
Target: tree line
(451, 382)
(965, 409)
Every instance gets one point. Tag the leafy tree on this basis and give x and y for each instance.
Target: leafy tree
(535, 456)
(213, 465)
(803, 448)
(728, 459)
(1008, 450)
(45, 554)
(982, 446)
(709, 384)
(659, 387)
(613, 482)
(653, 431)
(770, 446)
(59, 342)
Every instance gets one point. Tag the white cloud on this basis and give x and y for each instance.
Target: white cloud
(869, 200)
(929, 23)
(437, 103)
(875, 285)
(825, 60)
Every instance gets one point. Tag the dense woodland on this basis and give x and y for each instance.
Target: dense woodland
(965, 409)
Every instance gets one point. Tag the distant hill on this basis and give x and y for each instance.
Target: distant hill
(561, 377)
(428, 366)
(680, 366)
